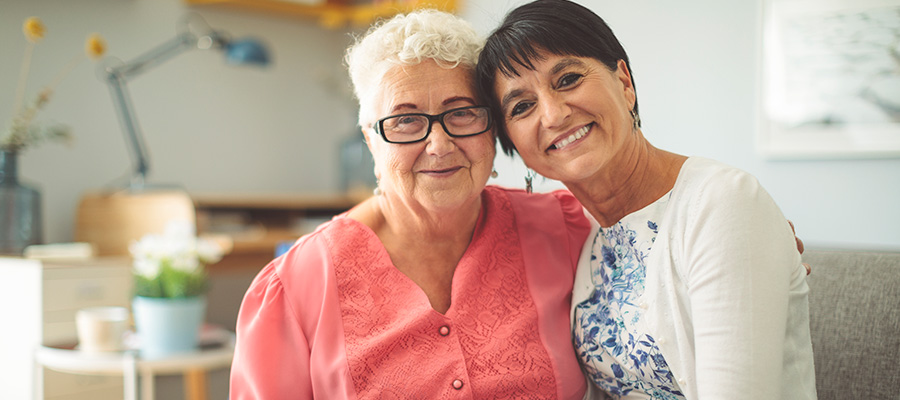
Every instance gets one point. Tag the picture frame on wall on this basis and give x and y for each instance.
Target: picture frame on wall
(830, 79)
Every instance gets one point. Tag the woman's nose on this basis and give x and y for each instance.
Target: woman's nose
(553, 110)
(439, 143)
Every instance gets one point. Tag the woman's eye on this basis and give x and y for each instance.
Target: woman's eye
(569, 80)
(519, 108)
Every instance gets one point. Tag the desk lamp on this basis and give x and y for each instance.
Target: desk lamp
(193, 33)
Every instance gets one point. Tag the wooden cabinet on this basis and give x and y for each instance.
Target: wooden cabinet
(38, 301)
(335, 13)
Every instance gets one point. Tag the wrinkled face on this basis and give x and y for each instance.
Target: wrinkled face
(569, 117)
(440, 171)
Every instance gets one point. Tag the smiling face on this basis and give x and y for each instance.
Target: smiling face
(569, 117)
(441, 171)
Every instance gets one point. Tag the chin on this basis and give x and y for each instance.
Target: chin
(447, 199)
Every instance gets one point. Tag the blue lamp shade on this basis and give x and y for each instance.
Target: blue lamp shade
(246, 51)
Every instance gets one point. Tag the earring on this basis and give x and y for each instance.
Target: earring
(377, 190)
(635, 119)
(529, 176)
(494, 173)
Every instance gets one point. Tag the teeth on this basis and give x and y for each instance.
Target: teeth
(573, 137)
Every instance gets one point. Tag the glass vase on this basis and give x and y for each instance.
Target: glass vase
(20, 208)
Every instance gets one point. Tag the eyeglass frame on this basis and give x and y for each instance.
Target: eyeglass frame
(379, 125)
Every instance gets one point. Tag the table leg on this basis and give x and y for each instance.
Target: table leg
(195, 387)
(147, 385)
(129, 375)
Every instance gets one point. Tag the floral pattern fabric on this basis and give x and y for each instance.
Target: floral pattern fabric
(617, 352)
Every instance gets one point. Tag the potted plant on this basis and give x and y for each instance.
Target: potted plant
(170, 284)
(20, 205)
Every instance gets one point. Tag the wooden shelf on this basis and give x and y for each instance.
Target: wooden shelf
(256, 224)
(283, 201)
(335, 13)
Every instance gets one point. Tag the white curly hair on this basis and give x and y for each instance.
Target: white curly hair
(408, 39)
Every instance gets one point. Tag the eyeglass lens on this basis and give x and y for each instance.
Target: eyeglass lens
(457, 122)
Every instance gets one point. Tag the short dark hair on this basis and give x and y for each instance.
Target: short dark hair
(557, 26)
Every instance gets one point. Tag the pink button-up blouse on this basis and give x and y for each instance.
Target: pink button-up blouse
(334, 319)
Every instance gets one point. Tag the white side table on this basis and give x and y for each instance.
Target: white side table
(215, 352)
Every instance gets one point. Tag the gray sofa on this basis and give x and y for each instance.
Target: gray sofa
(855, 323)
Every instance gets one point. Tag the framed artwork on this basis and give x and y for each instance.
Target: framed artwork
(830, 79)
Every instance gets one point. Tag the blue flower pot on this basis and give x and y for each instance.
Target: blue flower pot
(166, 327)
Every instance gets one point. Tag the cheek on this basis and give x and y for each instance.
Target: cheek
(482, 152)
(518, 132)
(397, 160)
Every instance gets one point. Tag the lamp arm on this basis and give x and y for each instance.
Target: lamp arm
(117, 77)
(125, 111)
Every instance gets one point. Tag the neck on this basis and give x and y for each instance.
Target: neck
(402, 222)
(631, 181)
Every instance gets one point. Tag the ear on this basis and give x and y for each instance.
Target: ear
(624, 78)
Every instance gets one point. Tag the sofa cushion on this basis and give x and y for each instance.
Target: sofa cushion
(855, 323)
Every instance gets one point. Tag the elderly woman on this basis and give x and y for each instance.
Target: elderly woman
(437, 287)
(689, 287)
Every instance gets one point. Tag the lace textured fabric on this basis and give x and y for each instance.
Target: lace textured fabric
(487, 345)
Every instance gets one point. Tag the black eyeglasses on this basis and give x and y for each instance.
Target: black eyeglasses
(415, 127)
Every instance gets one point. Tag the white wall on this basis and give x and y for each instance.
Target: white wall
(212, 127)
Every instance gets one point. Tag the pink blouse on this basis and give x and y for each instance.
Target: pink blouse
(334, 319)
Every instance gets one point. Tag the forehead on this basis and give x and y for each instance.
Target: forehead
(425, 86)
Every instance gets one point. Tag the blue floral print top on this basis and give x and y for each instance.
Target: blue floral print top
(613, 343)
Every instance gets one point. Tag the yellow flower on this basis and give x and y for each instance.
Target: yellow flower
(95, 46)
(23, 130)
(34, 29)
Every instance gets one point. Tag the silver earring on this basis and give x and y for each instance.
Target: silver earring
(494, 173)
(377, 190)
(529, 177)
(635, 119)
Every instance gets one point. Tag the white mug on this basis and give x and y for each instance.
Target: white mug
(101, 328)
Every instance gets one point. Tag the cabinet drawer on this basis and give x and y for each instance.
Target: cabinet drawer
(60, 332)
(61, 385)
(72, 294)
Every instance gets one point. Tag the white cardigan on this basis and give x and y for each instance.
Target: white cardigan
(726, 294)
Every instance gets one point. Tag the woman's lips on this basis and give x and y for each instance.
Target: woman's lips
(441, 171)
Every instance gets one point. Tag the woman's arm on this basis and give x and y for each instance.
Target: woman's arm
(741, 262)
(271, 357)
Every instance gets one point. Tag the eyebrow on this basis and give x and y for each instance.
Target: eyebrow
(447, 101)
(563, 64)
(559, 67)
(509, 97)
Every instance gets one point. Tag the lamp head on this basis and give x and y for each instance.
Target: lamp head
(246, 51)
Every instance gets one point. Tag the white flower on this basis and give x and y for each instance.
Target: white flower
(146, 267)
(178, 246)
(209, 251)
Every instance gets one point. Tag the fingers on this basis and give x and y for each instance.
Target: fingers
(799, 244)
(808, 268)
(792, 226)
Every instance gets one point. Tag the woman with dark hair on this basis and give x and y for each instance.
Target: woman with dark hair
(688, 287)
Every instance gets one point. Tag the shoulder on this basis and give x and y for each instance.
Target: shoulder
(522, 201)
(712, 194)
(315, 253)
(556, 214)
(709, 177)
(705, 183)
(310, 260)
